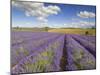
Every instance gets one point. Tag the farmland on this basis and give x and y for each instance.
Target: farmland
(73, 31)
(52, 37)
(59, 30)
(53, 50)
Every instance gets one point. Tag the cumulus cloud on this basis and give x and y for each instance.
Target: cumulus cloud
(38, 10)
(80, 24)
(83, 24)
(86, 14)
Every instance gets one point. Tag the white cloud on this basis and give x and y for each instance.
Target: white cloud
(42, 19)
(80, 24)
(86, 14)
(38, 10)
(84, 24)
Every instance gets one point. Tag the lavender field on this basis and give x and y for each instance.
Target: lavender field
(51, 52)
(52, 37)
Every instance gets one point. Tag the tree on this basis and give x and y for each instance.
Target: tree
(86, 33)
(46, 28)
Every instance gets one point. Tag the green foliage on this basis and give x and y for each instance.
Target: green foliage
(78, 54)
(47, 53)
(46, 28)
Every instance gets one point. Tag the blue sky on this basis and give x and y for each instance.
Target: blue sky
(68, 16)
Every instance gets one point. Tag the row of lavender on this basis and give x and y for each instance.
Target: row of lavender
(45, 52)
(36, 54)
(79, 56)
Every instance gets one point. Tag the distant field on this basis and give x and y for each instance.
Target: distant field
(29, 29)
(59, 30)
(74, 31)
